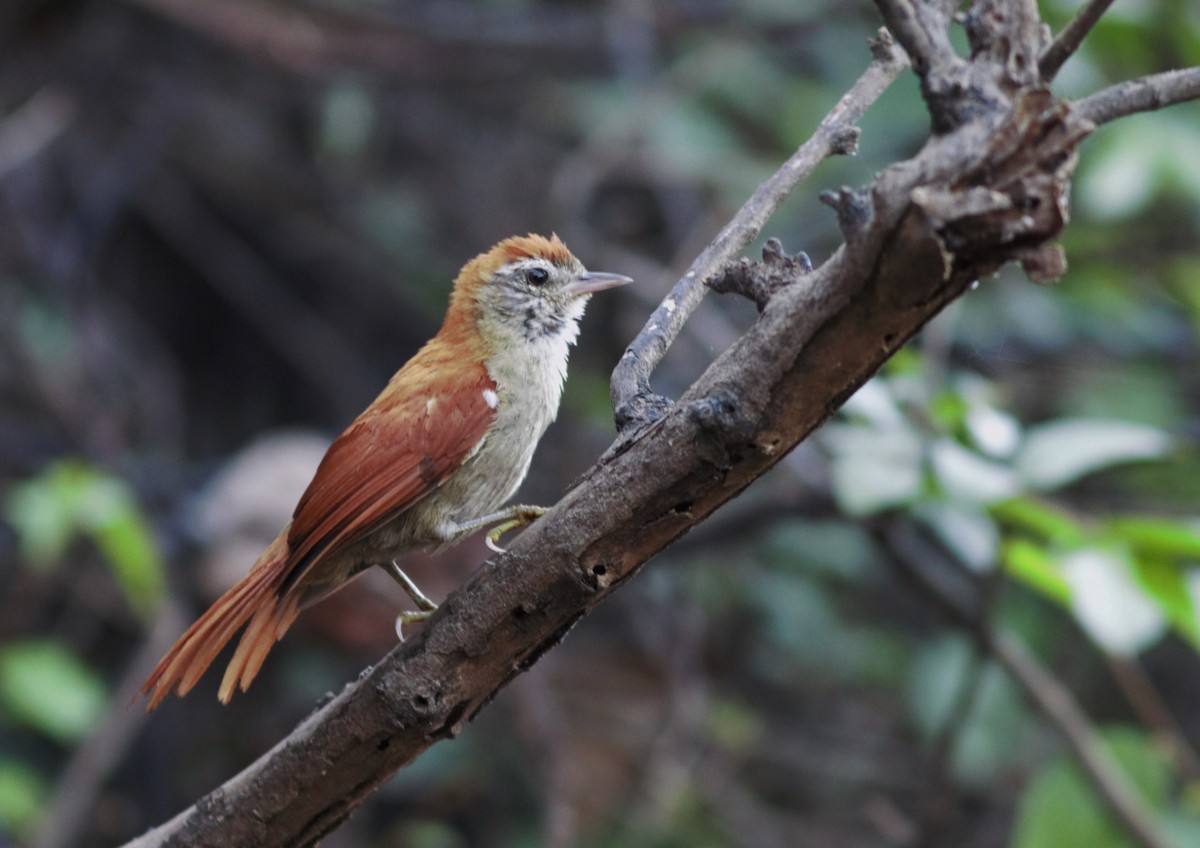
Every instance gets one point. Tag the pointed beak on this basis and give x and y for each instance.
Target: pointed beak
(594, 281)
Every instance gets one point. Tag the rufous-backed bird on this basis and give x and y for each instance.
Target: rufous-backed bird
(431, 460)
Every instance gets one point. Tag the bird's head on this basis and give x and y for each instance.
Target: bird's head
(527, 288)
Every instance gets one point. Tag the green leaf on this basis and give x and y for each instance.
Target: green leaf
(22, 794)
(43, 522)
(128, 547)
(1167, 585)
(1040, 519)
(46, 687)
(71, 498)
(1031, 564)
(1061, 452)
(840, 549)
(1156, 537)
(1059, 808)
(949, 409)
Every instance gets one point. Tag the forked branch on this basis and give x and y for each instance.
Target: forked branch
(634, 403)
(989, 187)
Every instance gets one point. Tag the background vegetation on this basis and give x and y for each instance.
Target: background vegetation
(221, 229)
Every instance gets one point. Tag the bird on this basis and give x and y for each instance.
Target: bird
(430, 461)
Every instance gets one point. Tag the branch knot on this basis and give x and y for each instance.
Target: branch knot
(758, 281)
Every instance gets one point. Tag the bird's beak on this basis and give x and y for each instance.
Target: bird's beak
(594, 281)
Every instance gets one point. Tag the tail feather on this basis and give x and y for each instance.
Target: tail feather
(255, 599)
(266, 627)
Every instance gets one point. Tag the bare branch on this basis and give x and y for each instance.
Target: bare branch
(1152, 710)
(1004, 37)
(991, 187)
(921, 29)
(634, 404)
(1059, 706)
(1146, 94)
(917, 246)
(1067, 42)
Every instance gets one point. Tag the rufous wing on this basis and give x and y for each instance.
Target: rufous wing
(397, 452)
(426, 423)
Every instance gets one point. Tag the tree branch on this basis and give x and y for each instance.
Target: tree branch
(989, 188)
(634, 404)
(1146, 94)
(1067, 42)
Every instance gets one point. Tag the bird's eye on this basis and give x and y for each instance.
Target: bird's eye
(537, 276)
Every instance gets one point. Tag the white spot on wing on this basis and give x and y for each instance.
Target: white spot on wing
(430, 405)
(490, 398)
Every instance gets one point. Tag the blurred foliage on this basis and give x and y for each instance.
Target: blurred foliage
(44, 686)
(71, 499)
(211, 230)
(1061, 807)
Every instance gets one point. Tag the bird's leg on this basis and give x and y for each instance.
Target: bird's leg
(504, 521)
(425, 606)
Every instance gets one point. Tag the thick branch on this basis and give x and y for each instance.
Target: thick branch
(1147, 94)
(633, 401)
(990, 190)
(815, 343)
(922, 30)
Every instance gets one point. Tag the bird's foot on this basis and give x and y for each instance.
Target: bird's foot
(411, 617)
(425, 607)
(514, 517)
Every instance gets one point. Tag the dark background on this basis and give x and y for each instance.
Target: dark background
(224, 224)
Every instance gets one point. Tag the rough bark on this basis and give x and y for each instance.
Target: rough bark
(990, 187)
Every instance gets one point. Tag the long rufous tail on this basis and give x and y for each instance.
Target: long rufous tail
(256, 599)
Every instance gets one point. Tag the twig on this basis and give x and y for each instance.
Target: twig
(65, 816)
(633, 402)
(1059, 706)
(934, 224)
(1147, 703)
(1145, 94)
(1052, 698)
(1067, 42)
